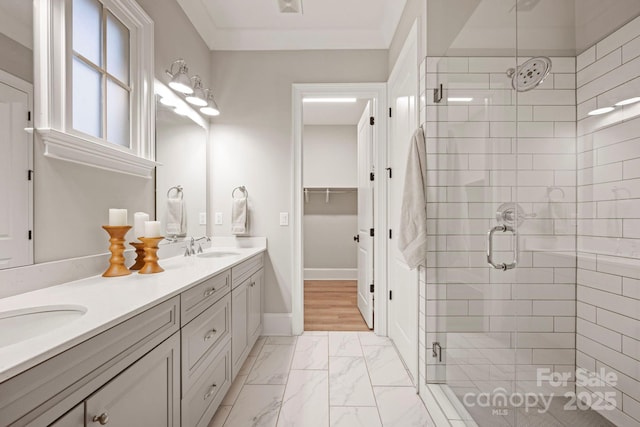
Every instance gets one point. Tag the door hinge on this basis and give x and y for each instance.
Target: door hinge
(30, 235)
(28, 116)
(436, 350)
(437, 94)
(390, 172)
(390, 234)
(389, 111)
(30, 174)
(372, 121)
(372, 232)
(372, 176)
(390, 295)
(371, 288)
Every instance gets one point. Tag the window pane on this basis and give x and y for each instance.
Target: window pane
(87, 33)
(117, 114)
(87, 99)
(117, 49)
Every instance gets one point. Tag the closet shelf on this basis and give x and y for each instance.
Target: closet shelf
(327, 191)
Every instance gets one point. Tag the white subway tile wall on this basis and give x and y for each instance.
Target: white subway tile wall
(608, 290)
(497, 327)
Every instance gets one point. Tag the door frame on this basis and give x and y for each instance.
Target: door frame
(27, 87)
(377, 92)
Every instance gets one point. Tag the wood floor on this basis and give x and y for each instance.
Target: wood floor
(331, 305)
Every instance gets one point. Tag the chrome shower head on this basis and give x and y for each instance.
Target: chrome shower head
(530, 74)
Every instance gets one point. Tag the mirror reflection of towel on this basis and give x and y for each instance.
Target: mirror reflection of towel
(239, 216)
(176, 217)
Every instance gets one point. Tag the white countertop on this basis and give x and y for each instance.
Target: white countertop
(108, 301)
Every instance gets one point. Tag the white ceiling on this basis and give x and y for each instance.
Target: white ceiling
(544, 27)
(324, 24)
(319, 113)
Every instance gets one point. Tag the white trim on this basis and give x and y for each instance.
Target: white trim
(62, 146)
(330, 274)
(278, 324)
(377, 92)
(50, 82)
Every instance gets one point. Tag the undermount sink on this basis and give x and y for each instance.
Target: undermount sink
(217, 254)
(23, 324)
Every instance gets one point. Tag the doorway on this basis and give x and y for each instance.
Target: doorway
(337, 214)
(318, 193)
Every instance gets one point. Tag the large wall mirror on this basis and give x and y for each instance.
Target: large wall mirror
(181, 151)
(180, 147)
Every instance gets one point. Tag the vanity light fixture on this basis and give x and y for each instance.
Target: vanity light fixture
(180, 80)
(329, 99)
(165, 100)
(459, 99)
(628, 101)
(198, 97)
(211, 109)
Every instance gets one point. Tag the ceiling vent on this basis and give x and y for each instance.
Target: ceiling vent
(290, 6)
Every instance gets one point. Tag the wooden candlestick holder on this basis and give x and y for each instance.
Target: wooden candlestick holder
(151, 255)
(116, 238)
(139, 246)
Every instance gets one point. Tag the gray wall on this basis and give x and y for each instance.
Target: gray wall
(251, 141)
(16, 59)
(413, 9)
(72, 201)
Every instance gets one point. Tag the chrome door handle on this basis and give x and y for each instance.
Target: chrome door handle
(210, 334)
(209, 393)
(209, 292)
(501, 266)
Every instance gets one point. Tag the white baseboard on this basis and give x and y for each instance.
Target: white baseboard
(330, 274)
(278, 324)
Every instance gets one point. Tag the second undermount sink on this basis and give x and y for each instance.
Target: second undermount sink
(217, 254)
(23, 324)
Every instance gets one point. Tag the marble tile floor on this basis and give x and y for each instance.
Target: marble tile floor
(322, 379)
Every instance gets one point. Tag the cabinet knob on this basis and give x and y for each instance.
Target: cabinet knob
(102, 418)
(252, 284)
(209, 292)
(210, 334)
(212, 390)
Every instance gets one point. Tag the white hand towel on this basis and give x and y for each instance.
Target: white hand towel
(239, 216)
(176, 217)
(412, 241)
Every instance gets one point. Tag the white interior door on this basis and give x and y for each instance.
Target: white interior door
(15, 190)
(365, 217)
(402, 282)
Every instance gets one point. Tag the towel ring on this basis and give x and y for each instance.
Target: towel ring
(178, 189)
(242, 189)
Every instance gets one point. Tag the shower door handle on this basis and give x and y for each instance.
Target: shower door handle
(501, 266)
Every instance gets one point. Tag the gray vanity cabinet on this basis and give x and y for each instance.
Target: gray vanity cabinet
(147, 393)
(246, 309)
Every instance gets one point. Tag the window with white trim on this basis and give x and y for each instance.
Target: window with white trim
(100, 88)
(95, 83)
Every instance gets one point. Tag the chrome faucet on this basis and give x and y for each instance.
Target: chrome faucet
(191, 249)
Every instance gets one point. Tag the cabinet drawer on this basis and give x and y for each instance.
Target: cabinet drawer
(198, 298)
(243, 271)
(201, 336)
(201, 402)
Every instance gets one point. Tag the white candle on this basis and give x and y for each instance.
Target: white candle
(139, 218)
(117, 217)
(152, 229)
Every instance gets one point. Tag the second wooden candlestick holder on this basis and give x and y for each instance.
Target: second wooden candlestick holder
(139, 247)
(151, 255)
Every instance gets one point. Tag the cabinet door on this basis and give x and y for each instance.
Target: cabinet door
(145, 394)
(239, 337)
(254, 315)
(73, 418)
